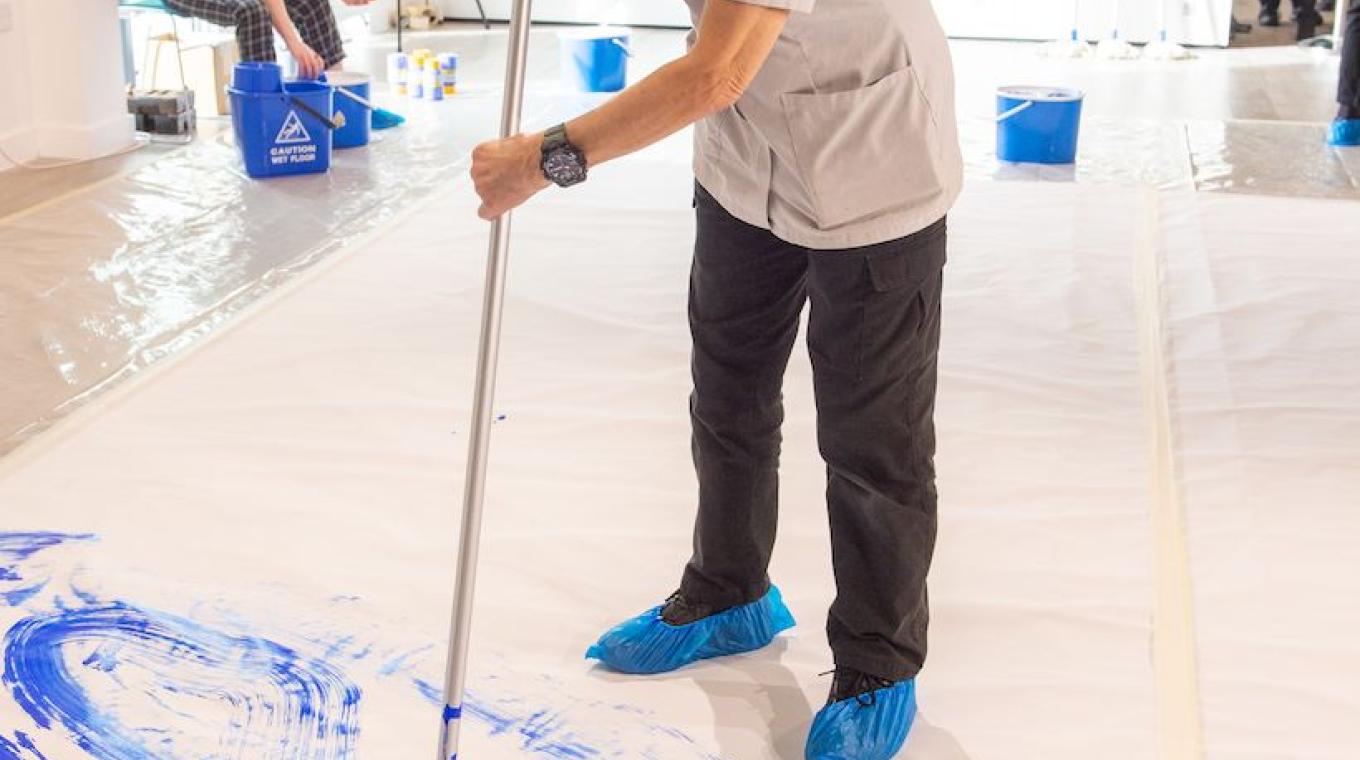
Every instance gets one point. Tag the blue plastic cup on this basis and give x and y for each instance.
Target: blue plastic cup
(257, 76)
(1038, 125)
(596, 59)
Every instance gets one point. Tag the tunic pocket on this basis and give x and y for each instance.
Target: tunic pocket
(867, 152)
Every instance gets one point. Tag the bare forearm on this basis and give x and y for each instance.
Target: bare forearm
(278, 13)
(673, 97)
(734, 39)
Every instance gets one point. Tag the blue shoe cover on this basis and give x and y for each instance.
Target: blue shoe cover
(1345, 133)
(385, 119)
(855, 730)
(647, 644)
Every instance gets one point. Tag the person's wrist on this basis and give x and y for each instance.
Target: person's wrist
(533, 160)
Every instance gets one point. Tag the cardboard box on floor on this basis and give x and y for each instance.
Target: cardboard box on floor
(208, 63)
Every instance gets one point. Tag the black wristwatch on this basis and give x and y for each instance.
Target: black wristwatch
(563, 163)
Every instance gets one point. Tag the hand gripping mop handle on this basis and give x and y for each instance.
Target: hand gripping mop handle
(455, 676)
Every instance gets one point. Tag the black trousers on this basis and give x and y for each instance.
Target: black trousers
(873, 335)
(1349, 92)
(1301, 7)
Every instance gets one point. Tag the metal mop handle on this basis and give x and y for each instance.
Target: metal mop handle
(455, 676)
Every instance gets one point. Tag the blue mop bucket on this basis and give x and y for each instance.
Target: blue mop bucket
(358, 119)
(281, 128)
(595, 60)
(1038, 125)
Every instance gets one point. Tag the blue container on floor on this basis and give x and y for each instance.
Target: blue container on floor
(279, 125)
(358, 127)
(595, 60)
(1038, 125)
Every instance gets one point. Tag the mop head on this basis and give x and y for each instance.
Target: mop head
(1071, 48)
(1166, 51)
(647, 644)
(1345, 133)
(385, 119)
(1115, 49)
(868, 728)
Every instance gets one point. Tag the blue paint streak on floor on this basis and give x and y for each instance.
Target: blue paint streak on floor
(541, 732)
(17, 588)
(21, 748)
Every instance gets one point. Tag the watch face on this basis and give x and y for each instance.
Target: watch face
(565, 166)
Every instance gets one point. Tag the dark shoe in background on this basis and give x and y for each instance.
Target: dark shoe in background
(1308, 23)
(1270, 18)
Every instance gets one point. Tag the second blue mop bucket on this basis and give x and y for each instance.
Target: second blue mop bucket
(1038, 125)
(595, 59)
(358, 119)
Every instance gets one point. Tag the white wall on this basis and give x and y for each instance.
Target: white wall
(1196, 22)
(61, 81)
(16, 106)
(1190, 22)
(640, 12)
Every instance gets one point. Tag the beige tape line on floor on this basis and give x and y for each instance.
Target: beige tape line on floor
(1179, 723)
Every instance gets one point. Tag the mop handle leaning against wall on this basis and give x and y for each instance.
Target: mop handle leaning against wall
(455, 676)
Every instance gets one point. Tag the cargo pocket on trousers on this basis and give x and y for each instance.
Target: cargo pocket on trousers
(903, 278)
(866, 152)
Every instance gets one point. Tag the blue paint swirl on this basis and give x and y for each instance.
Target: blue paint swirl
(276, 702)
(19, 584)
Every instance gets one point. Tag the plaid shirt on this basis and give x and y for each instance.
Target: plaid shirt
(255, 33)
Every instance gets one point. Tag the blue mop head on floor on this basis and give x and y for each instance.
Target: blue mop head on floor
(647, 644)
(1345, 133)
(869, 728)
(385, 119)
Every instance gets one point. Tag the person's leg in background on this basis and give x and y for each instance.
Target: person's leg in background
(254, 30)
(1270, 13)
(1307, 18)
(1346, 128)
(747, 290)
(315, 21)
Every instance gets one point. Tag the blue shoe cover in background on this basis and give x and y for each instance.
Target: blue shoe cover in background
(860, 729)
(1345, 133)
(385, 119)
(647, 644)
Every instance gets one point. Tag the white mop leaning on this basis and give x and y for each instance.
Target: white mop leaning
(1115, 47)
(1073, 46)
(455, 675)
(1162, 48)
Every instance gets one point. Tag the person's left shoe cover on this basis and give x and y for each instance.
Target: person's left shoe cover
(870, 725)
(647, 644)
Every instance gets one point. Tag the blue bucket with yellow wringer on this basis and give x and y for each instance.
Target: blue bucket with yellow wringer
(1038, 125)
(282, 128)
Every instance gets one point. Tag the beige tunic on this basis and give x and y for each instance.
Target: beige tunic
(847, 135)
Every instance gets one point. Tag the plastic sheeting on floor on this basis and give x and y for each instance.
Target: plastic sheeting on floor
(289, 490)
(98, 286)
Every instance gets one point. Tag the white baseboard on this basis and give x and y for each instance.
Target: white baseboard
(18, 144)
(85, 141)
